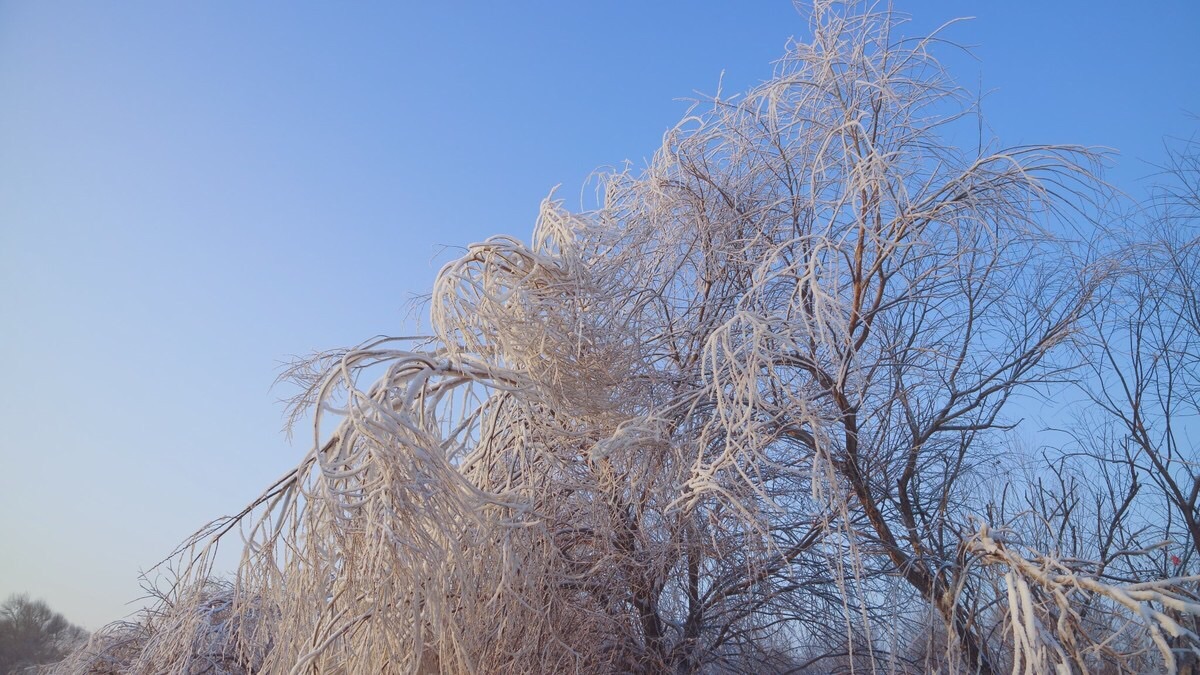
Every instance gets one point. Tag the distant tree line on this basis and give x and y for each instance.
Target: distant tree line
(32, 634)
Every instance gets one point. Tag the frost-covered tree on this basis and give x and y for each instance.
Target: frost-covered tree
(741, 416)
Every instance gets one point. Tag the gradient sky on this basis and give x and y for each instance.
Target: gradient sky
(192, 192)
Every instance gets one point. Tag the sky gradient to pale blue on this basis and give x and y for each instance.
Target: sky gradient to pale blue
(192, 192)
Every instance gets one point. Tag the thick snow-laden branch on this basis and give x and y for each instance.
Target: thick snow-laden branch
(1047, 600)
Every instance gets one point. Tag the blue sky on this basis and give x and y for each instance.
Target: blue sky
(191, 193)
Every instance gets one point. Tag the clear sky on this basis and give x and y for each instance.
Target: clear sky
(192, 192)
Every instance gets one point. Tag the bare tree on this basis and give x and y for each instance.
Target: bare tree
(1144, 383)
(1148, 336)
(738, 417)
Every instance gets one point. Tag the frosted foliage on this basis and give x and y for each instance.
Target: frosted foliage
(729, 420)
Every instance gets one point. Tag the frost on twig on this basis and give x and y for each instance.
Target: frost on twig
(194, 629)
